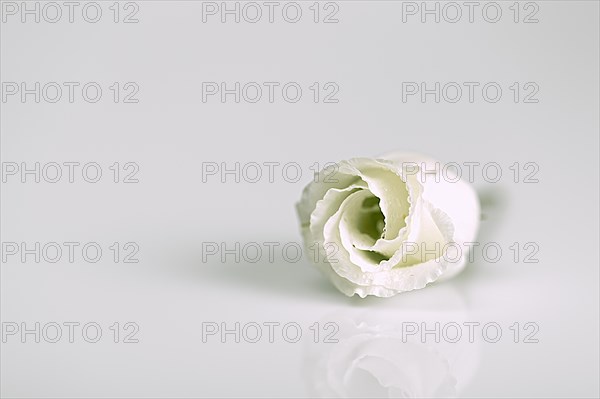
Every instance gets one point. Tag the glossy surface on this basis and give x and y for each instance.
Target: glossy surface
(180, 288)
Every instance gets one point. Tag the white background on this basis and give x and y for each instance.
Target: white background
(170, 132)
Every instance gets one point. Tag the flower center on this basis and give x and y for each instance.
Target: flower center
(370, 220)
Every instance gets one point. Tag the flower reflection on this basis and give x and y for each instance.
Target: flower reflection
(377, 356)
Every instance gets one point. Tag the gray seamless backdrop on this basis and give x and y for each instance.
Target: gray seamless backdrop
(170, 132)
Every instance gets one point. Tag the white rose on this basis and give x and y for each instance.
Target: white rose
(383, 226)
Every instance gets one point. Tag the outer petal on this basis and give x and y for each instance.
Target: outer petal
(457, 199)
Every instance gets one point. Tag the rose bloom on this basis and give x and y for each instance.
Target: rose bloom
(387, 225)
